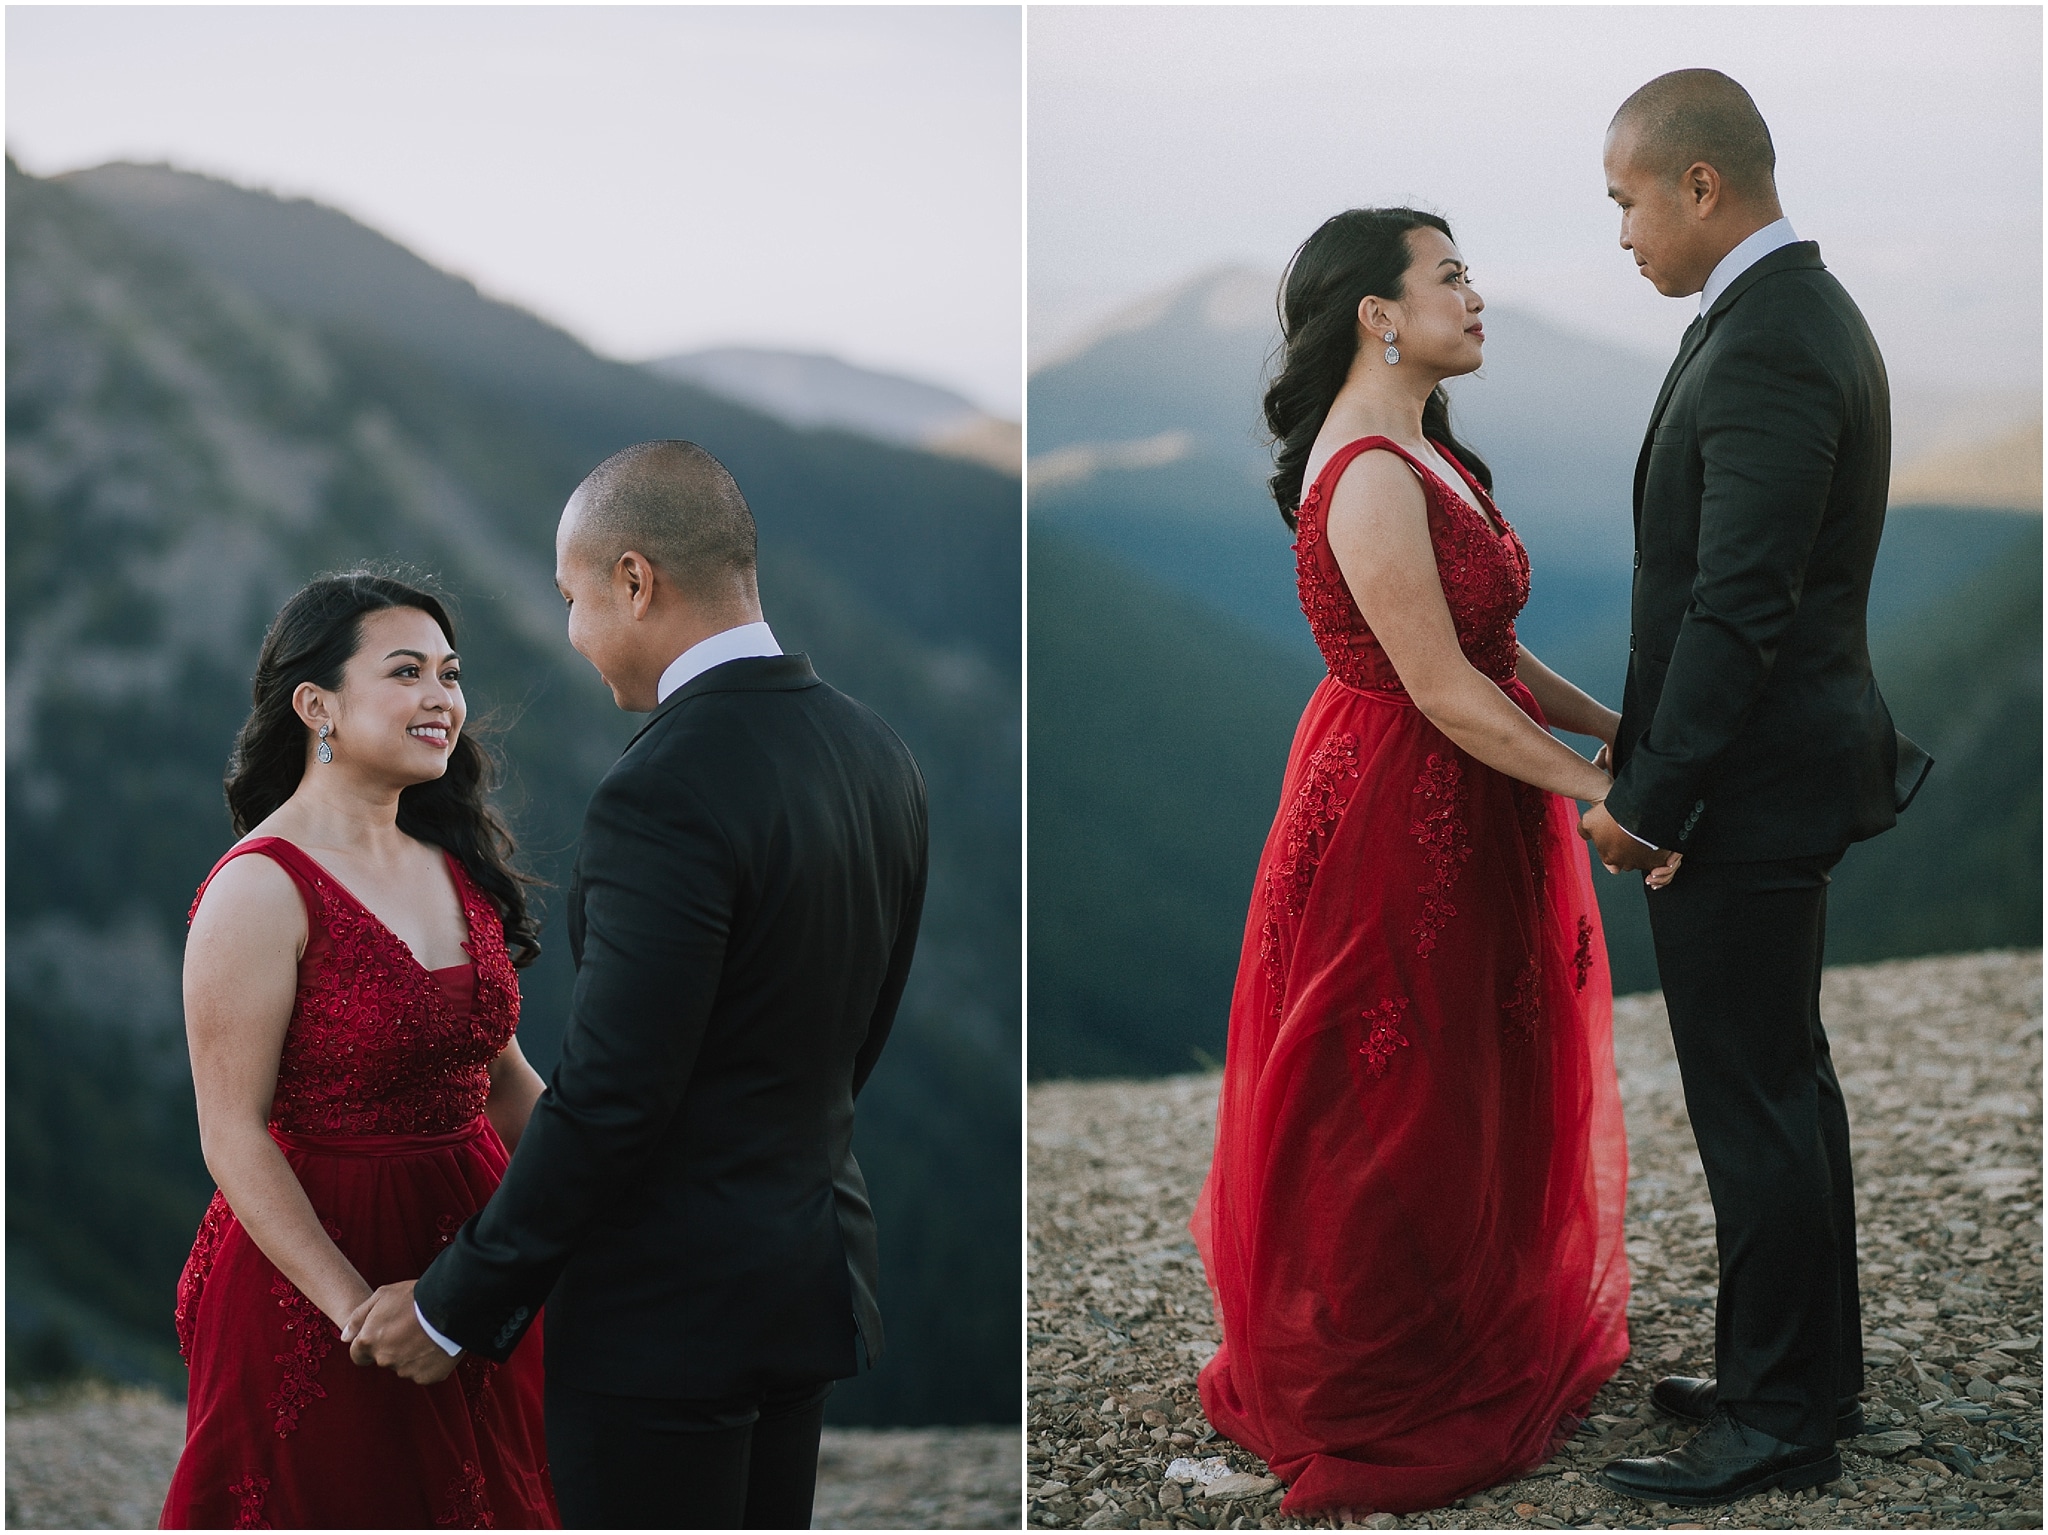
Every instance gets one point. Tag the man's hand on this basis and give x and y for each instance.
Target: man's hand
(385, 1330)
(1617, 850)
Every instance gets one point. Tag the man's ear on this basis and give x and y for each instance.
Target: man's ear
(1702, 188)
(637, 572)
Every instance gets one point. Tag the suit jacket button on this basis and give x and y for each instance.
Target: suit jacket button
(1639, 560)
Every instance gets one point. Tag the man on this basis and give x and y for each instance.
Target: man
(1753, 743)
(746, 899)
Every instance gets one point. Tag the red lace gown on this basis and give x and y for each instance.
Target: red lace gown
(379, 1110)
(1412, 1224)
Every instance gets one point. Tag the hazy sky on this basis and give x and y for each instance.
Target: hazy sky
(654, 179)
(1167, 140)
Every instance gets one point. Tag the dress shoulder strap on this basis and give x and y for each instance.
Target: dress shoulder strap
(280, 852)
(1342, 459)
(1333, 469)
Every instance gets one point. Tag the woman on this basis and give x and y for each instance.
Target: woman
(1412, 1223)
(350, 1002)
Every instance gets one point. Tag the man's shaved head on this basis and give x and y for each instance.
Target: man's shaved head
(1694, 115)
(675, 504)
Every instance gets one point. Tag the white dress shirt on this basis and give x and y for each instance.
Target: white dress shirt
(1746, 255)
(735, 644)
(1774, 236)
(727, 645)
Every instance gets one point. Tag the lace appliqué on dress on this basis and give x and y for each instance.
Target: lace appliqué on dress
(213, 1228)
(374, 1046)
(1446, 844)
(308, 1338)
(1383, 1035)
(469, 1501)
(249, 1493)
(1318, 804)
(1523, 1009)
(1484, 573)
(1582, 961)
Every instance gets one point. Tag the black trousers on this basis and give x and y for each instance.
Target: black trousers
(1739, 950)
(648, 1463)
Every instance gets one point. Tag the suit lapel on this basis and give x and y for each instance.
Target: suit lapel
(1800, 253)
(1688, 344)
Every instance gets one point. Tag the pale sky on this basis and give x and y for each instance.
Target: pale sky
(652, 178)
(1168, 140)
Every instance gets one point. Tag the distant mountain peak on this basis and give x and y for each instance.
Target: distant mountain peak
(1232, 298)
(816, 389)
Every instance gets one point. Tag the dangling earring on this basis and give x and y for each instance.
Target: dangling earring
(323, 751)
(1393, 352)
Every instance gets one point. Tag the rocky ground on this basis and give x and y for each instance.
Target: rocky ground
(1941, 1062)
(97, 1459)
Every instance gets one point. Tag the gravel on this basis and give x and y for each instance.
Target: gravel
(1941, 1062)
(100, 1458)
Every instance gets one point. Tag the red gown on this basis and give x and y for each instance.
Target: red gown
(379, 1110)
(1412, 1224)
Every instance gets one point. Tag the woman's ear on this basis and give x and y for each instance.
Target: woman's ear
(310, 704)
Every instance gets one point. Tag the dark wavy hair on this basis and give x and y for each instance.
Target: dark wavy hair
(312, 639)
(1358, 252)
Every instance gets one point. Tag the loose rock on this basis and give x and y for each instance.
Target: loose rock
(1940, 1059)
(99, 1458)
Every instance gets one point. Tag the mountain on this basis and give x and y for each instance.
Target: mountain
(213, 395)
(1169, 661)
(1146, 440)
(810, 389)
(1158, 729)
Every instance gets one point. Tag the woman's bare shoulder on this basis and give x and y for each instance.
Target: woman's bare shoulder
(251, 894)
(1378, 480)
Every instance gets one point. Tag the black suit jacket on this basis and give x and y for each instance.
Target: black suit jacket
(685, 1198)
(1751, 727)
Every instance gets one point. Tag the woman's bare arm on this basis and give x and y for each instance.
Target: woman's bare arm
(1379, 532)
(515, 1088)
(1566, 706)
(241, 974)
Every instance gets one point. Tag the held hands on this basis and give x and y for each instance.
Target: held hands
(1617, 850)
(385, 1330)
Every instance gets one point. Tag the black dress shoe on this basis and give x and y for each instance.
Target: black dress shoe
(1685, 1396)
(1722, 1462)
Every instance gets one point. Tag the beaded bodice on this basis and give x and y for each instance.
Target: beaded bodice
(1485, 577)
(376, 1046)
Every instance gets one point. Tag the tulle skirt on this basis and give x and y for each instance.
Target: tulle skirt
(284, 1431)
(1412, 1225)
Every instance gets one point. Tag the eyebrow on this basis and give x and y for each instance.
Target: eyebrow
(1452, 261)
(419, 655)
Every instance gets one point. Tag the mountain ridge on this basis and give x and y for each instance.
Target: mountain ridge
(819, 390)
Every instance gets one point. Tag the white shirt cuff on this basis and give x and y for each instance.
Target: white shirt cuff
(448, 1346)
(1646, 842)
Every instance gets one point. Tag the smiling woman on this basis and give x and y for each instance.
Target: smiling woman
(350, 1001)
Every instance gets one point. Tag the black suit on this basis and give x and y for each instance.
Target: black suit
(685, 1198)
(1753, 739)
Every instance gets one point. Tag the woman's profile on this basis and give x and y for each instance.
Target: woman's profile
(350, 998)
(1412, 1225)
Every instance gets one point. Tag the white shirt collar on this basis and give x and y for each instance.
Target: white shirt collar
(726, 645)
(1746, 255)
